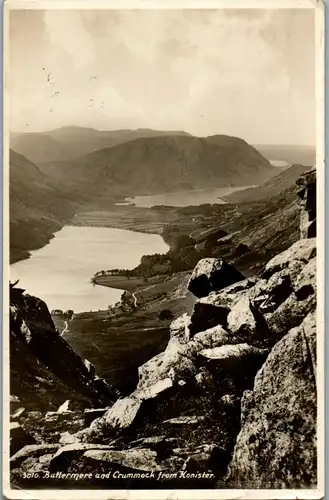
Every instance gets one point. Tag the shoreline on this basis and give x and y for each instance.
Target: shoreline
(147, 229)
(129, 212)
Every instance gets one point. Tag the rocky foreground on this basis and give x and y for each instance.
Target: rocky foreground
(230, 403)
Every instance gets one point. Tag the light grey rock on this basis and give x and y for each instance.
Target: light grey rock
(276, 447)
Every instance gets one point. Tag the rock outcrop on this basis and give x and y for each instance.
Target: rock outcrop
(206, 371)
(231, 401)
(277, 446)
(307, 196)
(45, 371)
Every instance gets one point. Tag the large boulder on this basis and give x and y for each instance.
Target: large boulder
(211, 311)
(33, 465)
(31, 454)
(139, 459)
(298, 254)
(277, 447)
(122, 413)
(212, 274)
(214, 309)
(296, 307)
(153, 390)
(130, 410)
(241, 320)
(178, 362)
(63, 456)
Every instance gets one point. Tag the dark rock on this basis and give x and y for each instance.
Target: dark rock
(198, 458)
(91, 414)
(201, 247)
(307, 197)
(48, 359)
(19, 438)
(64, 455)
(241, 250)
(212, 274)
(209, 312)
(238, 362)
(204, 379)
(277, 446)
(311, 230)
(213, 234)
(153, 442)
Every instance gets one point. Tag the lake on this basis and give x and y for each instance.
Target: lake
(60, 272)
(280, 163)
(184, 198)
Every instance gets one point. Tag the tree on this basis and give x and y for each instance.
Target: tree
(165, 314)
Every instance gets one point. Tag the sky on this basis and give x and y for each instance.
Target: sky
(247, 73)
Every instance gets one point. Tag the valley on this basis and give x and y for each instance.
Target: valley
(161, 381)
(252, 226)
(266, 228)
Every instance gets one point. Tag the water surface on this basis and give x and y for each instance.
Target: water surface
(185, 198)
(60, 272)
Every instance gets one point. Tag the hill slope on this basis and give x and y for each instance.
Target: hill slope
(165, 164)
(285, 179)
(38, 207)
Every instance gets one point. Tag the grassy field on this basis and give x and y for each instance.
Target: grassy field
(118, 345)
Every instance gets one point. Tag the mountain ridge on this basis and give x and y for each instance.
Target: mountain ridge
(166, 163)
(72, 141)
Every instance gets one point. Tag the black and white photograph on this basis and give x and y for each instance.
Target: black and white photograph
(165, 250)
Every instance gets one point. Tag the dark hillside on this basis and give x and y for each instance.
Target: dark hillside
(38, 207)
(165, 164)
(272, 187)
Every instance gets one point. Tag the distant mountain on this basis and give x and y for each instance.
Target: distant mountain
(70, 142)
(164, 164)
(38, 207)
(304, 155)
(276, 185)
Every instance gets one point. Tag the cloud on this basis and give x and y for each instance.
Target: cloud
(205, 71)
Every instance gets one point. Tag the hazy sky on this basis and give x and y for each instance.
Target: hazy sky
(248, 73)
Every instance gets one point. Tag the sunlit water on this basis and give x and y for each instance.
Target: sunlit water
(185, 198)
(60, 272)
